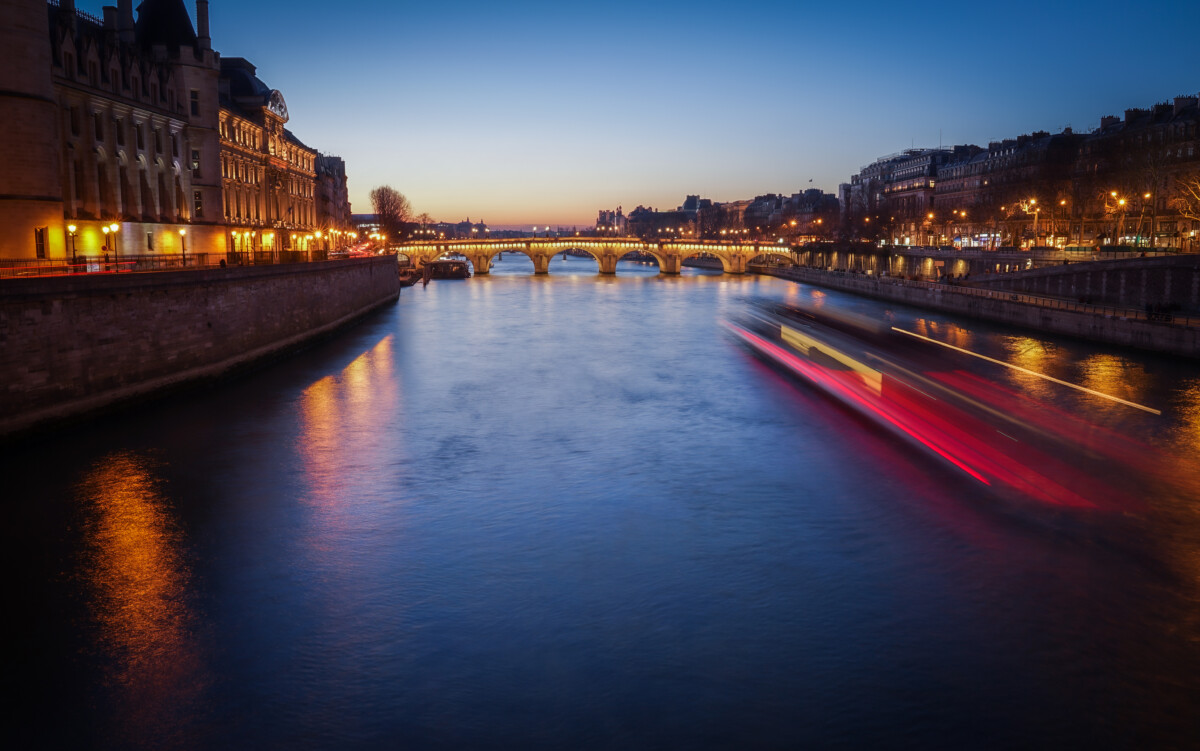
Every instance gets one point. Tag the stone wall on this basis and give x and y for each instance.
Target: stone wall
(1136, 283)
(72, 345)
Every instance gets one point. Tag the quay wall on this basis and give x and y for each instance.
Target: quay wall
(1117, 329)
(74, 345)
(1164, 280)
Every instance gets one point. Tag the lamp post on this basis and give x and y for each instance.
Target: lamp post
(71, 231)
(1036, 209)
(183, 246)
(111, 230)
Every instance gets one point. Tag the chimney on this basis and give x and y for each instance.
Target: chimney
(125, 19)
(110, 18)
(1183, 102)
(202, 25)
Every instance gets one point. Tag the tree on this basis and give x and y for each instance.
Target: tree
(1187, 200)
(392, 210)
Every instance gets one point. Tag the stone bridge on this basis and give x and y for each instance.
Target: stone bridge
(734, 257)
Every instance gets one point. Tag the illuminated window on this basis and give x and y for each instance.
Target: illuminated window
(198, 204)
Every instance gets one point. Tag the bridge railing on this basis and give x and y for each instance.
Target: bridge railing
(796, 273)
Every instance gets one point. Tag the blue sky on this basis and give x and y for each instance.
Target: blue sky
(543, 113)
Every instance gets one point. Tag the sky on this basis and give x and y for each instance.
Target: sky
(520, 114)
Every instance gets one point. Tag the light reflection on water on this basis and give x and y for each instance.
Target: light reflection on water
(564, 511)
(138, 579)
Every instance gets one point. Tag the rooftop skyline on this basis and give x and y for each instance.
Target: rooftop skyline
(539, 114)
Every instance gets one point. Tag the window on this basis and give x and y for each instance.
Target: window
(198, 203)
(149, 241)
(195, 162)
(114, 78)
(78, 180)
(74, 121)
(99, 121)
(157, 141)
(93, 72)
(135, 87)
(39, 241)
(154, 91)
(195, 102)
(140, 131)
(119, 129)
(174, 144)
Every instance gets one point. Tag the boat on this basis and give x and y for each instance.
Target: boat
(937, 399)
(447, 269)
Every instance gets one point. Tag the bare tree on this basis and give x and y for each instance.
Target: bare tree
(1187, 200)
(392, 210)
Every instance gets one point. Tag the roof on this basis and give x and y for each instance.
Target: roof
(164, 22)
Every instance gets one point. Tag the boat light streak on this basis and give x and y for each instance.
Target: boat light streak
(815, 375)
(1085, 389)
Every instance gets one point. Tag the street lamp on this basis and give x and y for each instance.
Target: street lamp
(71, 231)
(116, 251)
(183, 245)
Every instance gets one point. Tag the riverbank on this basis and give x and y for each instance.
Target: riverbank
(73, 346)
(1107, 325)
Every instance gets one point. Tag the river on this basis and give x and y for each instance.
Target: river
(568, 511)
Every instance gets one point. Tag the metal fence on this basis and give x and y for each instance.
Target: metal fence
(16, 268)
(1052, 303)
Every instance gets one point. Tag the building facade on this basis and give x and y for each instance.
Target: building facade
(1125, 183)
(131, 137)
(269, 176)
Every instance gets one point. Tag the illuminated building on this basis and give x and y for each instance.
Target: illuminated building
(138, 127)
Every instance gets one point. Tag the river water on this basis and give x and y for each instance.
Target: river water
(567, 511)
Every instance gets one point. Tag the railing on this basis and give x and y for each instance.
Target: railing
(1051, 303)
(1074, 253)
(16, 268)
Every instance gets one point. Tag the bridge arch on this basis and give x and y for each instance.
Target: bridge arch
(769, 253)
(726, 264)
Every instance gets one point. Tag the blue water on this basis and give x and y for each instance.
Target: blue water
(566, 511)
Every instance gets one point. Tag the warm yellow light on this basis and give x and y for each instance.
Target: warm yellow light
(1121, 202)
(105, 230)
(183, 232)
(71, 228)
(114, 226)
(1146, 196)
(1032, 200)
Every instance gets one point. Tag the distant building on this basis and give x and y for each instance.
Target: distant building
(1121, 184)
(333, 197)
(611, 222)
